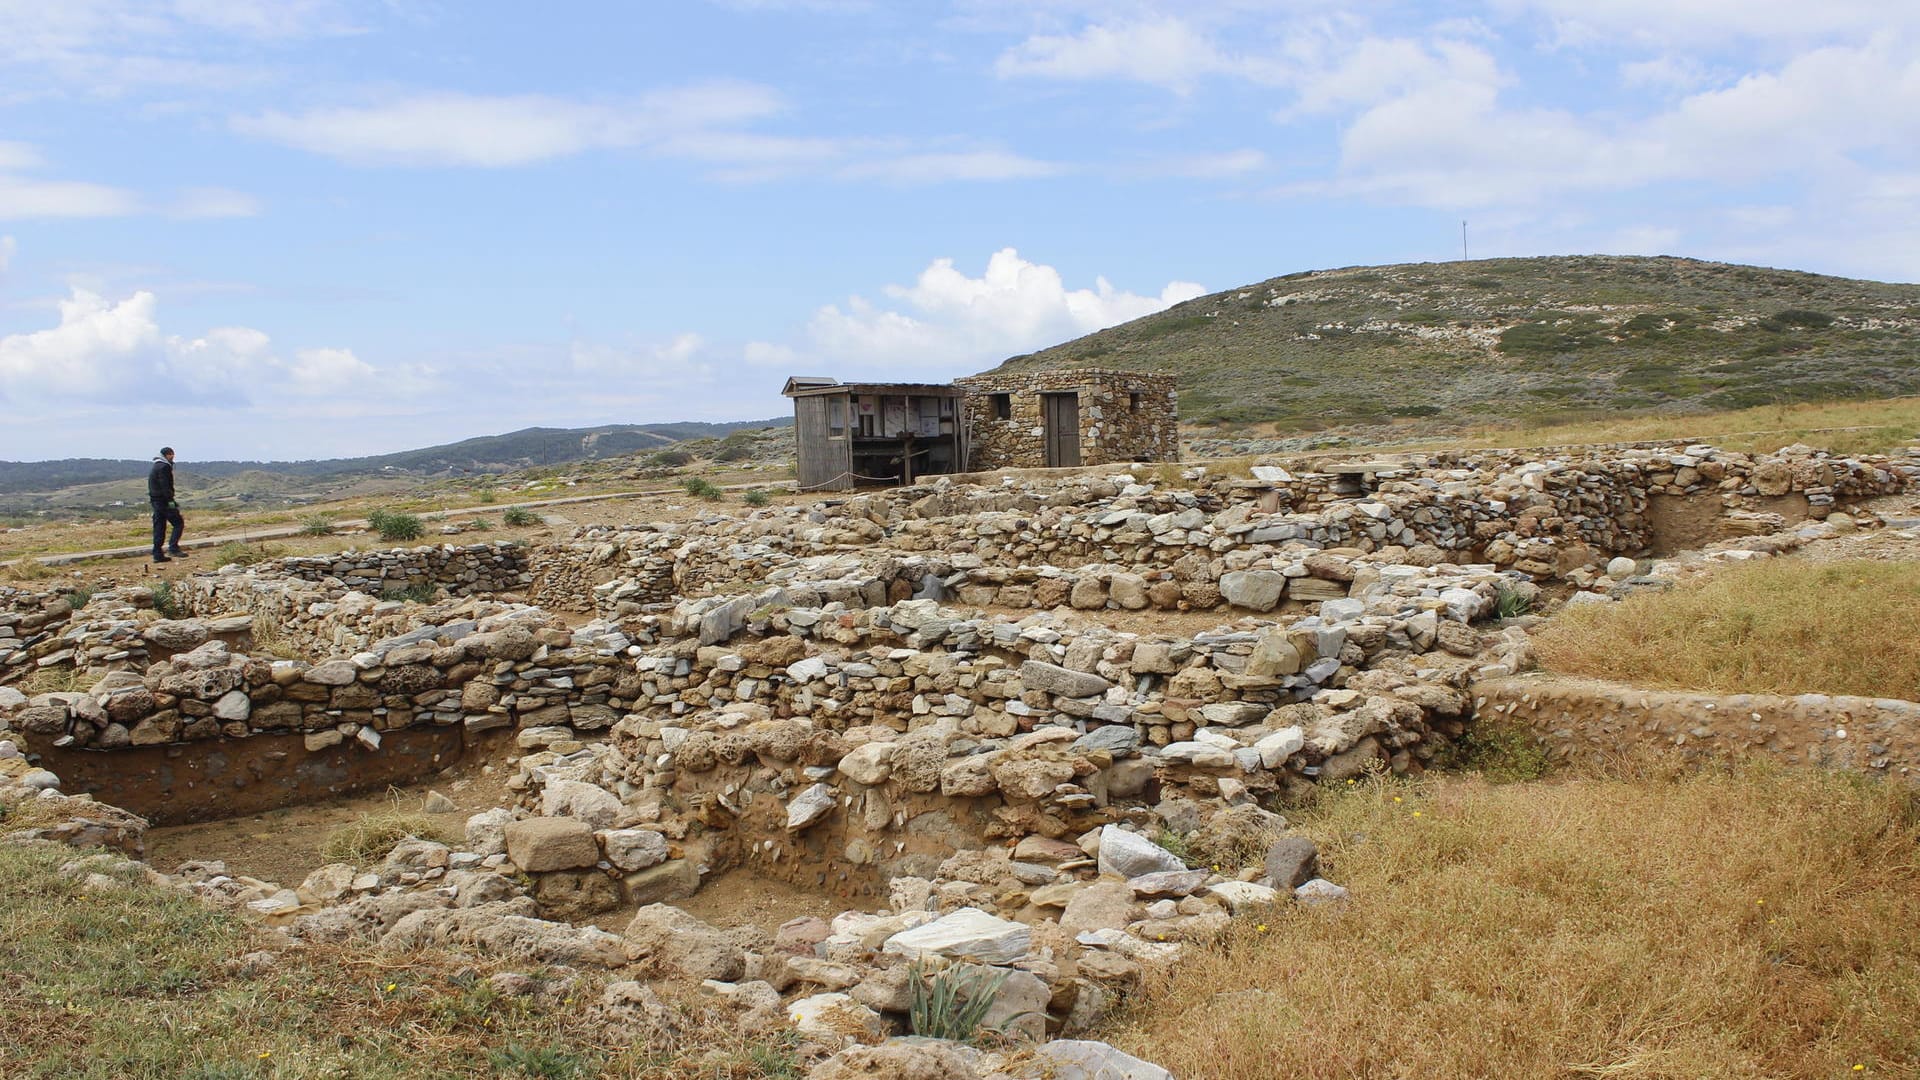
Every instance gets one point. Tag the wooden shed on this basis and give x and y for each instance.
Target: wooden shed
(850, 435)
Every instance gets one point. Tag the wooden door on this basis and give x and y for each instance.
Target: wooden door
(1061, 414)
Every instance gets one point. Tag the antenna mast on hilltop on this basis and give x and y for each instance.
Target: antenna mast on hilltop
(1463, 241)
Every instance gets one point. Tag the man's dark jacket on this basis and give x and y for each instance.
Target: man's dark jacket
(160, 482)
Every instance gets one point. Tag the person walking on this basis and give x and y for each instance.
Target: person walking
(166, 509)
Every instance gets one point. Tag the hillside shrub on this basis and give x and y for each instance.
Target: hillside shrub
(392, 525)
(701, 488)
(519, 517)
(317, 525)
(756, 497)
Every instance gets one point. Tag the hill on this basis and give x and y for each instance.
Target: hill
(1522, 339)
(527, 448)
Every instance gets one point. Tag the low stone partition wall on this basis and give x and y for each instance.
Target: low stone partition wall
(463, 569)
(32, 626)
(1585, 720)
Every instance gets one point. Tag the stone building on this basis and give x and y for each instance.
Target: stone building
(1079, 416)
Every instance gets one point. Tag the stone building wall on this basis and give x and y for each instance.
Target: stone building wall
(1124, 416)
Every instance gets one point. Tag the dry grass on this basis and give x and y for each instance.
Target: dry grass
(139, 983)
(373, 836)
(25, 570)
(1747, 922)
(1782, 626)
(1847, 427)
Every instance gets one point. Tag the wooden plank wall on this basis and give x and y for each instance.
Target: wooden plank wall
(820, 463)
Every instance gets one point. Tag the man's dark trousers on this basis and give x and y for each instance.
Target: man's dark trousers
(164, 515)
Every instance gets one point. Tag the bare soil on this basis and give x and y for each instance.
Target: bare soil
(284, 846)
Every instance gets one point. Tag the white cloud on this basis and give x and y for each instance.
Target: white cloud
(1713, 23)
(946, 320)
(92, 353)
(500, 131)
(333, 372)
(1826, 115)
(224, 361)
(23, 198)
(1373, 69)
(1161, 51)
(935, 168)
(104, 351)
(671, 362)
(1221, 166)
(110, 48)
(214, 202)
(15, 156)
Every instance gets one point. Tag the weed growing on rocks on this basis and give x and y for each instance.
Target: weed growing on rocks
(519, 517)
(317, 525)
(700, 488)
(952, 1004)
(164, 600)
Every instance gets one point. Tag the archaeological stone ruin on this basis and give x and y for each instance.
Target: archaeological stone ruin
(1046, 728)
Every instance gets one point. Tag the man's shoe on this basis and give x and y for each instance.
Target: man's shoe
(176, 553)
(160, 558)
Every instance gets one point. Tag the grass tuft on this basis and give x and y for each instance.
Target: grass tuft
(245, 554)
(373, 836)
(1780, 626)
(519, 517)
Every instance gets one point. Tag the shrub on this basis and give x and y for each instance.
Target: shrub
(519, 517)
(395, 526)
(317, 525)
(1503, 751)
(700, 488)
(78, 596)
(667, 459)
(487, 496)
(756, 497)
(953, 1004)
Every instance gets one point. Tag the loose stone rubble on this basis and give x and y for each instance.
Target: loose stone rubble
(910, 698)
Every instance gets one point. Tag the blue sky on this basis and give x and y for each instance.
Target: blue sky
(317, 228)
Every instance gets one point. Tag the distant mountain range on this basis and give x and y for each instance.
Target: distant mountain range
(1516, 339)
(487, 454)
